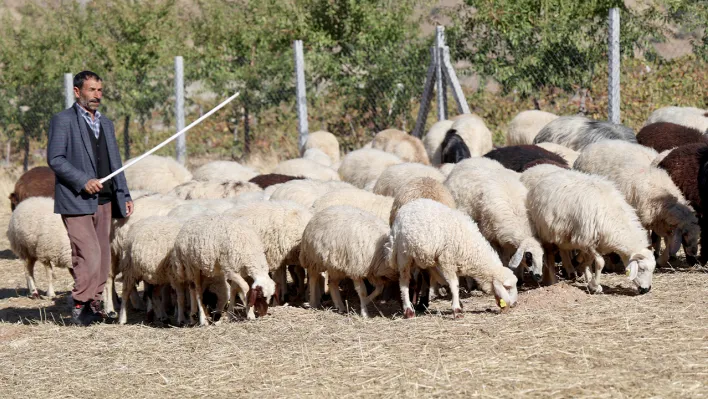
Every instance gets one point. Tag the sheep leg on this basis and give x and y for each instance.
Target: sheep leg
(179, 288)
(664, 256)
(298, 276)
(656, 243)
(109, 291)
(404, 271)
(29, 274)
(549, 272)
(136, 301)
(594, 284)
(222, 296)
(196, 287)
(242, 288)
(192, 304)
(363, 298)
(50, 280)
(453, 282)
(281, 279)
(312, 281)
(158, 302)
(568, 265)
(128, 286)
(336, 295)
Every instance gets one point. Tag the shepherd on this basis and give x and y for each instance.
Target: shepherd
(82, 149)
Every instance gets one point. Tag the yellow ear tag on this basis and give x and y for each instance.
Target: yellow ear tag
(627, 273)
(502, 303)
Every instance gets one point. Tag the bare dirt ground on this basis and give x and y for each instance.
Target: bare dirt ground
(558, 342)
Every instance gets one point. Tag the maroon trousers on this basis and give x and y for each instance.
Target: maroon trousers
(89, 236)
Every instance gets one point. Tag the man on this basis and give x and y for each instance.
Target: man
(82, 149)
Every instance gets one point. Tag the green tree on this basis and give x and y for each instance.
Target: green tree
(526, 45)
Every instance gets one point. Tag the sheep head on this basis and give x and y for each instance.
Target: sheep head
(505, 291)
(259, 295)
(531, 253)
(641, 269)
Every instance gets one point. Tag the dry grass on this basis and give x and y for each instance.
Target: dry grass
(559, 342)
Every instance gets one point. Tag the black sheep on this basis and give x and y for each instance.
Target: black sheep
(454, 148)
(516, 157)
(663, 136)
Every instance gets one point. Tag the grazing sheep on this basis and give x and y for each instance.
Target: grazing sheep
(346, 242)
(515, 157)
(495, 199)
(147, 258)
(453, 148)
(659, 203)
(223, 170)
(430, 236)
(396, 177)
(149, 205)
(267, 180)
(279, 224)
(569, 155)
(363, 167)
(37, 234)
(685, 166)
(223, 247)
(526, 125)
(691, 117)
(36, 182)
(325, 141)
(401, 144)
(378, 205)
(474, 133)
(317, 155)
(577, 211)
(577, 132)
(663, 136)
(432, 141)
(213, 189)
(421, 187)
(306, 168)
(157, 174)
(306, 192)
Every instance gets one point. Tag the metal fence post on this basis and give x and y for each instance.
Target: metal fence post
(451, 76)
(440, 80)
(181, 143)
(300, 93)
(614, 66)
(427, 96)
(68, 90)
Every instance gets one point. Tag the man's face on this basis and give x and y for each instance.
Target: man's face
(89, 96)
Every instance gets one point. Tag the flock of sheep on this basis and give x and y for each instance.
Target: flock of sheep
(401, 212)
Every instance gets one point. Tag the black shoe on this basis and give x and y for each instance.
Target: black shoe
(82, 315)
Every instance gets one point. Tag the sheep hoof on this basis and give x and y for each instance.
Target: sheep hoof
(409, 313)
(150, 316)
(112, 314)
(457, 314)
(35, 295)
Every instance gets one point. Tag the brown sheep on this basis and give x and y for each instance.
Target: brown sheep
(663, 136)
(270, 179)
(36, 182)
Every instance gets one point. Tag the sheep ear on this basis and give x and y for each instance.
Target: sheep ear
(675, 243)
(516, 259)
(632, 270)
(252, 296)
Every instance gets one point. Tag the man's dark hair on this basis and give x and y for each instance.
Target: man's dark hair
(83, 76)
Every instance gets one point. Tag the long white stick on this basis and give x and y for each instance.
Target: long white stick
(191, 125)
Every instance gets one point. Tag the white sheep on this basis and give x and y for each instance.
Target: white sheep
(346, 242)
(379, 205)
(279, 224)
(36, 233)
(305, 192)
(396, 177)
(696, 118)
(147, 258)
(576, 132)
(660, 205)
(213, 189)
(569, 155)
(223, 170)
(363, 167)
(317, 155)
(403, 145)
(429, 235)
(156, 174)
(325, 141)
(432, 141)
(495, 199)
(474, 133)
(306, 168)
(224, 247)
(577, 211)
(526, 125)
